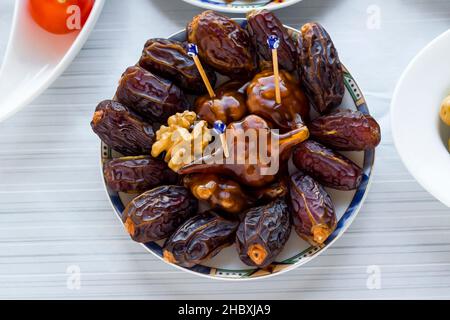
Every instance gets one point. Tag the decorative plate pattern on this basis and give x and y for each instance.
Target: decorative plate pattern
(241, 6)
(347, 206)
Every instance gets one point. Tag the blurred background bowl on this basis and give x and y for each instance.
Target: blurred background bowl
(420, 137)
(241, 6)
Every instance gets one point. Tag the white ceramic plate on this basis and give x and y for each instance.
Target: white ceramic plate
(419, 134)
(35, 58)
(226, 265)
(241, 6)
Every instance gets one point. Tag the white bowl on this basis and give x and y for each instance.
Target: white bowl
(241, 6)
(420, 136)
(35, 58)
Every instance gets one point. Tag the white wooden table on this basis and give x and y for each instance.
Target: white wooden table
(55, 218)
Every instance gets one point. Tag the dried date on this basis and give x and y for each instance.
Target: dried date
(263, 233)
(261, 25)
(137, 174)
(346, 130)
(321, 70)
(222, 44)
(199, 238)
(269, 193)
(121, 129)
(313, 213)
(153, 97)
(155, 214)
(229, 104)
(326, 166)
(169, 59)
(294, 108)
(219, 192)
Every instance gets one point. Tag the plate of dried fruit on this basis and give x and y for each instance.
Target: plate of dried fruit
(237, 220)
(241, 6)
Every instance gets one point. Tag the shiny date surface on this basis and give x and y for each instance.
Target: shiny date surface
(219, 192)
(261, 25)
(228, 105)
(294, 108)
(222, 44)
(321, 70)
(156, 214)
(200, 238)
(121, 129)
(153, 97)
(169, 59)
(346, 130)
(137, 174)
(326, 166)
(263, 233)
(313, 213)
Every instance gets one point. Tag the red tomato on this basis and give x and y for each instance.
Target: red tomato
(60, 16)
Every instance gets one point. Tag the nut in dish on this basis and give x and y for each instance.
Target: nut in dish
(182, 140)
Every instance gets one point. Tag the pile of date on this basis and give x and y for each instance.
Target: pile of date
(255, 212)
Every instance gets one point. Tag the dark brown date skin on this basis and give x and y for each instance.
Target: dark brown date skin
(321, 70)
(151, 96)
(222, 44)
(326, 166)
(228, 106)
(137, 174)
(263, 233)
(199, 238)
(346, 130)
(156, 214)
(121, 129)
(169, 59)
(313, 213)
(262, 24)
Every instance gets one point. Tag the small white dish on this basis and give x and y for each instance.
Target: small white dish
(420, 136)
(241, 6)
(34, 58)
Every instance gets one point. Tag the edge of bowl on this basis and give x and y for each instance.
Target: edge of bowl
(231, 9)
(63, 64)
(393, 117)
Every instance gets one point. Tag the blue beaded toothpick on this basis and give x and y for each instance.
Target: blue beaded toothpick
(274, 42)
(220, 128)
(193, 52)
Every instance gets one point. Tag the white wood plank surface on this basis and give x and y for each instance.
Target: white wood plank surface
(54, 213)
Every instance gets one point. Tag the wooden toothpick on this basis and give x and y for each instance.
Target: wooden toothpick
(193, 52)
(274, 42)
(220, 128)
